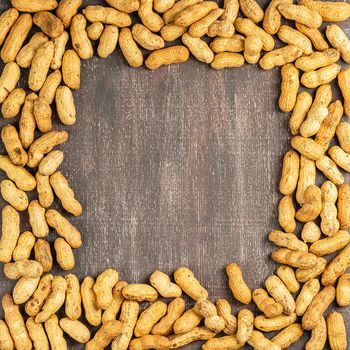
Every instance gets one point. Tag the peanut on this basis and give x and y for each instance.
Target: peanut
(224, 311)
(286, 214)
(287, 276)
(247, 27)
(128, 317)
(336, 267)
(6, 342)
(59, 49)
(339, 41)
(54, 301)
(43, 254)
(139, 292)
(308, 292)
(222, 29)
(130, 50)
(24, 246)
(94, 30)
(55, 334)
(67, 9)
(294, 37)
(51, 162)
(344, 206)
(45, 193)
(266, 304)
(80, 40)
(329, 10)
(165, 326)
(160, 281)
(64, 228)
(171, 31)
(258, 342)
(108, 41)
(23, 268)
(318, 306)
(233, 44)
(27, 121)
(42, 115)
(49, 24)
(300, 14)
(304, 275)
(342, 290)
(7, 20)
(73, 298)
(161, 5)
(343, 135)
(24, 289)
(229, 342)
(150, 342)
(34, 6)
(317, 60)
(252, 10)
(300, 110)
(111, 312)
(170, 55)
(33, 306)
(50, 86)
(312, 205)
(199, 48)
(188, 321)
(109, 331)
(341, 158)
(75, 329)
(64, 254)
(149, 317)
(14, 196)
(106, 15)
(93, 313)
(200, 28)
(310, 232)
(336, 331)
(318, 336)
(148, 17)
(288, 336)
(103, 287)
(16, 37)
(343, 82)
(238, 286)
(211, 319)
(287, 240)
(196, 334)
(227, 60)
(71, 69)
(8, 80)
(37, 219)
(289, 87)
(65, 105)
(245, 325)
(321, 76)
(314, 35)
(169, 15)
(272, 18)
(294, 258)
(252, 49)
(16, 324)
(37, 334)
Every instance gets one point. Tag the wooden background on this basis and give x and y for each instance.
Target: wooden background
(176, 167)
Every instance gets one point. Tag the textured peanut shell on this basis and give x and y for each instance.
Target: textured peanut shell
(200, 28)
(24, 289)
(43, 187)
(306, 295)
(13, 103)
(321, 76)
(329, 168)
(266, 304)
(64, 254)
(170, 55)
(71, 69)
(343, 82)
(109, 331)
(169, 15)
(222, 29)
(8, 80)
(307, 175)
(319, 43)
(51, 162)
(42, 115)
(289, 87)
(161, 281)
(251, 9)
(337, 335)
(344, 206)
(300, 110)
(259, 342)
(34, 6)
(330, 11)
(113, 309)
(43, 255)
(80, 41)
(233, 44)
(93, 313)
(171, 31)
(318, 336)
(75, 329)
(272, 17)
(287, 276)
(73, 308)
(140, 292)
(94, 30)
(27, 123)
(150, 342)
(304, 275)
(317, 60)
(7, 20)
(106, 15)
(227, 60)
(65, 105)
(310, 232)
(55, 334)
(23, 268)
(6, 341)
(293, 258)
(238, 286)
(103, 287)
(265, 324)
(280, 57)
(59, 49)
(14, 196)
(108, 41)
(252, 49)
(144, 37)
(37, 334)
(199, 48)
(245, 325)
(286, 214)
(24, 247)
(196, 334)
(294, 37)
(37, 219)
(300, 14)
(130, 50)
(288, 336)
(187, 321)
(128, 6)
(148, 17)
(67, 9)
(49, 24)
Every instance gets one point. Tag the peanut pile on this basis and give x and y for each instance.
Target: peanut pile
(295, 298)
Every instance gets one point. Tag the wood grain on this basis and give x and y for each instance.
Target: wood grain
(175, 167)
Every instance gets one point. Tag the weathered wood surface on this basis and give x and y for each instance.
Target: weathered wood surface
(175, 167)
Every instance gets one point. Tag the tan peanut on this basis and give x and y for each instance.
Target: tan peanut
(266, 304)
(80, 40)
(165, 326)
(59, 49)
(200, 28)
(103, 287)
(169, 15)
(318, 336)
(37, 334)
(55, 333)
(64, 228)
(73, 298)
(93, 313)
(308, 292)
(290, 173)
(34, 6)
(109, 331)
(329, 168)
(10, 233)
(288, 336)
(342, 290)
(310, 232)
(14, 196)
(150, 342)
(161, 5)
(287, 276)
(330, 245)
(343, 82)
(75, 329)
(45, 193)
(245, 325)
(130, 50)
(280, 293)
(161, 282)
(238, 286)
(149, 317)
(48, 23)
(329, 223)
(252, 10)
(329, 10)
(304, 275)
(221, 29)
(272, 18)
(65, 105)
(43, 254)
(318, 306)
(300, 110)
(94, 30)
(264, 324)
(258, 342)
(211, 319)
(344, 206)
(199, 48)
(24, 246)
(16, 324)
(247, 27)
(312, 205)
(108, 41)
(150, 18)
(139, 292)
(252, 49)
(144, 37)
(224, 311)
(337, 335)
(71, 69)
(227, 60)
(314, 35)
(27, 123)
(112, 310)
(16, 37)
(339, 41)
(54, 301)
(222, 343)
(171, 32)
(289, 87)
(7, 20)
(293, 37)
(300, 14)
(128, 317)
(24, 289)
(52, 82)
(42, 115)
(286, 214)
(336, 267)
(187, 321)
(51, 162)
(64, 254)
(13, 103)
(23, 268)
(106, 15)
(287, 240)
(170, 55)
(6, 341)
(233, 44)
(329, 125)
(321, 76)
(13, 146)
(317, 60)
(293, 258)
(196, 334)
(343, 135)
(37, 219)
(8, 80)
(67, 9)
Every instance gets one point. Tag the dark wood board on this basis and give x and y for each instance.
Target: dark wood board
(176, 167)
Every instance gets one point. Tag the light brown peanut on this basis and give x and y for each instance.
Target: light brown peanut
(200, 28)
(337, 336)
(103, 287)
(310, 232)
(27, 123)
(34, 6)
(59, 49)
(14, 196)
(300, 110)
(80, 40)
(8, 80)
(7, 20)
(264, 324)
(37, 219)
(318, 336)
(37, 334)
(51, 162)
(289, 87)
(106, 15)
(300, 14)
(304, 275)
(139, 292)
(224, 311)
(162, 5)
(130, 50)
(222, 29)
(196, 334)
(187, 321)
(343, 135)
(93, 313)
(280, 57)
(42, 115)
(50, 86)
(169, 15)
(71, 69)
(312, 205)
(45, 193)
(343, 82)
(293, 37)
(48, 23)
(342, 290)
(170, 55)
(286, 214)
(252, 49)
(73, 298)
(329, 10)
(55, 334)
(212, 321)
(321, 76)
(6, 341)
(293, 258)
(75, 329)
(287, 240)
(314, 35)
(287, 276)
(331, 244)
(339, 41)
(258, 342)
(233, 44)
(43, 254)
(199, 48)
(161, 281)
(13, 146)
(108, 41)
(67, 9)
(109, 331)
(150, 342)
(150, 18)
(24, 289)
(272, 18)
(329, 223)
(64, 254)
(317, 60)
(336, 267)
(344, 206)
(227, 60)
(171, 32)
(308, 292)
(266, 304)
(222, 343)
(288, 336)
(238, 286)
(23, 268)
(94, 30)
(252, 10)
(340, 158)
(65, 105)
(24, 247)
(13, 103)
(245, 325)
(111, 312)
